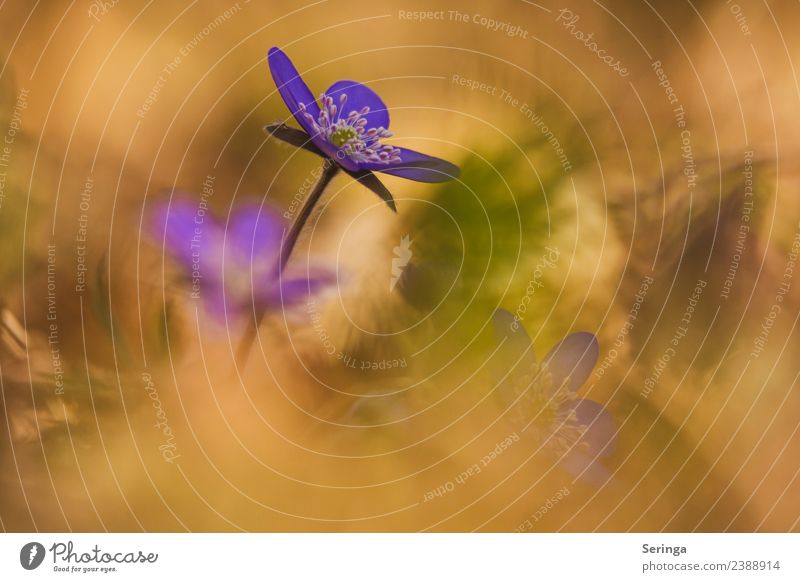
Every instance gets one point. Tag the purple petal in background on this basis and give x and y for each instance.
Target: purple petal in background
(254, 233)
(573, 357)
(601, 432)
(172, 223)
(516, 344)
(295, 290)
(193, 238)
(583, 467)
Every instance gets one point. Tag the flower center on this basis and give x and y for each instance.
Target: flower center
(342, 135)
(543, 410)
(349, 133)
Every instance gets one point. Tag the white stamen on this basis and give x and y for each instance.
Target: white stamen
(350, 133)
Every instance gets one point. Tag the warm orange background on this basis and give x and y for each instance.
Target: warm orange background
(286, 443)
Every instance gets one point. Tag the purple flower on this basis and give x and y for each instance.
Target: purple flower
(348, 125)
(233, 267)
(541, 397)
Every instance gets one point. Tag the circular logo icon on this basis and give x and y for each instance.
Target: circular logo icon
(31, 555)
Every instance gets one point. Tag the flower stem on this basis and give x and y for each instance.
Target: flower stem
(329, 170)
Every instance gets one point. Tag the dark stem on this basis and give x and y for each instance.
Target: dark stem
(329, 170)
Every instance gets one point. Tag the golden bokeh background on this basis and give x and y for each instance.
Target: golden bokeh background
(108, 107)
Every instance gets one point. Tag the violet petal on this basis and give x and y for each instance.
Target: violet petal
(601, 430)
(358, 97)
(292, 88)
(417, 166)
(574, 358)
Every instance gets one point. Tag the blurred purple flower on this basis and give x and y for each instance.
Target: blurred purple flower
(233, 267)
(542, 398)
(346, 126)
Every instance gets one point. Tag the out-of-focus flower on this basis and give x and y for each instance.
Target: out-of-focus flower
(541, 398)
(347, 126)
(233, 267)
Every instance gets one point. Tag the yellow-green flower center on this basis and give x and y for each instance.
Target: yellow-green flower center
(348, 132)
(543, 410)
(342, 135)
